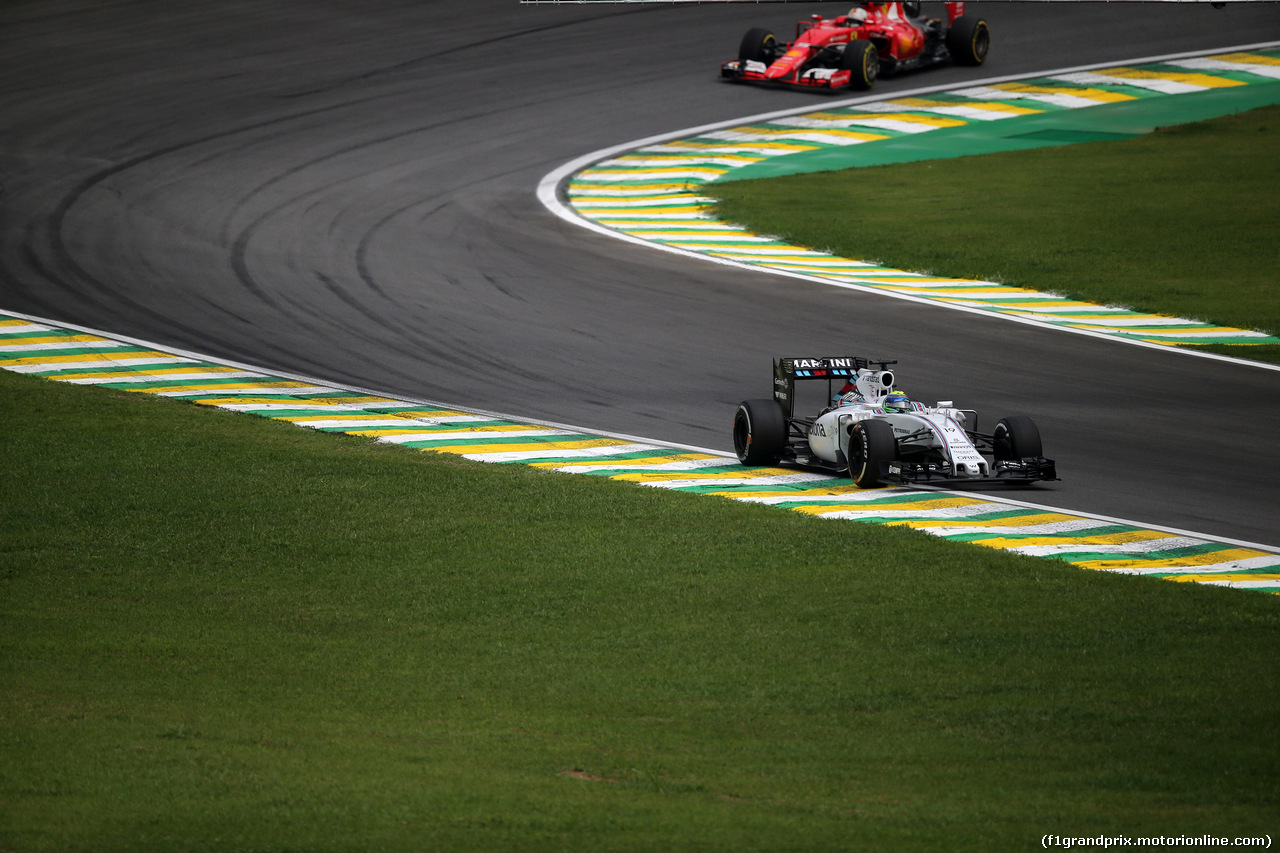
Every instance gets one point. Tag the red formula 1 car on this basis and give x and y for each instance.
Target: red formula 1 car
(854, 49)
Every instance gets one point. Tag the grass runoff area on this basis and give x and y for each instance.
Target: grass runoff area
(1184, 221)
(219, 632)
(225, 633)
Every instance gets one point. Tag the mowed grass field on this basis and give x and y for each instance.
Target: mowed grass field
(225, 633)
(1184, 221)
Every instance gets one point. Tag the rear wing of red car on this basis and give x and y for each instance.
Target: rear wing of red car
(845, 368)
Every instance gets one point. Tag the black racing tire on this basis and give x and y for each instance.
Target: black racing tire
(758, 45)
(1016, 437)
(759, 432)
(872, 447)
(968, 41)
(863, 64)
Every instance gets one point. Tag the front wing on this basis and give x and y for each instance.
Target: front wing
(810, 78)
(1021, 472)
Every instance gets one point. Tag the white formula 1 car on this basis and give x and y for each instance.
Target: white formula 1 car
(877, 435)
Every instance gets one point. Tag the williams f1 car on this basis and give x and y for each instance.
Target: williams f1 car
(876, 435)
(853, 50)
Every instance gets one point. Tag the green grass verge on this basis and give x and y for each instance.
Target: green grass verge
(219, 632)
(1184, 221)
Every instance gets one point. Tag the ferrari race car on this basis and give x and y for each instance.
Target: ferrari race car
(854, 49)
(876, 435)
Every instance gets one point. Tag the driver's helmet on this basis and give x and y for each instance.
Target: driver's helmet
(857, 15)
(897, 402)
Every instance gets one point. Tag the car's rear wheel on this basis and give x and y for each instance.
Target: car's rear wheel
(1016, 437)
(968, 41)
(759, 432)
(862, 62)
(758, 45)
(872, 447)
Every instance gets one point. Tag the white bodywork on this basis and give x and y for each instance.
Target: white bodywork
(939, 426)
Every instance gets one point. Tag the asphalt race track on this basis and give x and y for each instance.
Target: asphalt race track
(346, 190)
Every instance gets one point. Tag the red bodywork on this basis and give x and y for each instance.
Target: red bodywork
(896, 36)
(811, 38)
(814, 58)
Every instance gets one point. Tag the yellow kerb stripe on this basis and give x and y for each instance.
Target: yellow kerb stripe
(1121, 538)
(55, 360)
(628, 463)
(895, 506)
(1223, 577)
(1100, 95)
(221, 386)
(550, 447)
(913, 118)
(1011, 521)
(53, 339)
(1207, 81)
(1209, 559)
(923, 103)
(1249, 58)
(156, 373)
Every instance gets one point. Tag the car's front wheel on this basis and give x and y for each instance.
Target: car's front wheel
(758, 45)
(759, 432)
(1016, 437)
(872, 447)
(863, 64)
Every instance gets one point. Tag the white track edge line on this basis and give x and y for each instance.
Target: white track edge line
(1272, 549)
(549, 194)
(356, 389)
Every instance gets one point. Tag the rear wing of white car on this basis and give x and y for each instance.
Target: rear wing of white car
(873, 373)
